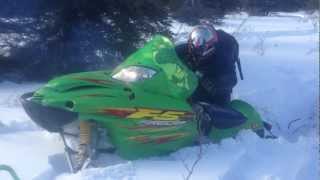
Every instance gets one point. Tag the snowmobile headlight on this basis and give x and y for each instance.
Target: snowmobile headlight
(134, 73)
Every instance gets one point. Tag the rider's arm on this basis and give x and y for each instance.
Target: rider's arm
(182, 51)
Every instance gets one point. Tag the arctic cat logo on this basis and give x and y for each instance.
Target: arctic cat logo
(143, 113)
(162, 123)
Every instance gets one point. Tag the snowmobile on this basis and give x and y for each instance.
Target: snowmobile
(138, 110)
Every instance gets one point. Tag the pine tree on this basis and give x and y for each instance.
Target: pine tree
(77, 35)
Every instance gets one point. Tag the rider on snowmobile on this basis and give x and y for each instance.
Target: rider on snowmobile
(212, 55)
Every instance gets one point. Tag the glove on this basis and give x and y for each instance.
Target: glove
(204, 121)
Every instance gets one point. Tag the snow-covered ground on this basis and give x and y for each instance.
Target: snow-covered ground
(280, 61)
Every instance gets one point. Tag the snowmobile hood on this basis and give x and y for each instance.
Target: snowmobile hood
(76, 92)
(78, 81)
(172, 77)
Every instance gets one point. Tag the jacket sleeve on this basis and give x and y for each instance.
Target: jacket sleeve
(217, 85)
(182, 53)
(227, 79)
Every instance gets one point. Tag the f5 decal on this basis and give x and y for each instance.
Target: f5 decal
(145, 113)
(151, 114)
(157, 114)
(169, 115)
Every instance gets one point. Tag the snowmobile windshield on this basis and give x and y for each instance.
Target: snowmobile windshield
(156, 68)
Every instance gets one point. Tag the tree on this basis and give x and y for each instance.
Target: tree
(77, 35)
(192, 11)
(63, 36)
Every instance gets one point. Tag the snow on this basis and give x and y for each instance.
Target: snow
(280, 62)
(10, 107)
(27, 152)
(246, 157)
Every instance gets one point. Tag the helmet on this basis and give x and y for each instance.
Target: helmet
(202, 41)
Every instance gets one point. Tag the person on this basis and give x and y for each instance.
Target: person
(212, 55)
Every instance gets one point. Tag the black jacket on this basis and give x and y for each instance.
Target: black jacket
(219, 74)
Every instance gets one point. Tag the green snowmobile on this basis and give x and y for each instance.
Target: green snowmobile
(140, 108)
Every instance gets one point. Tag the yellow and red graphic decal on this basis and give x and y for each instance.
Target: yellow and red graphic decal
(96, 81)
(157, 139)
(144, 113)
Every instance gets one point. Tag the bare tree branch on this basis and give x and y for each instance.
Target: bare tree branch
(191, 170)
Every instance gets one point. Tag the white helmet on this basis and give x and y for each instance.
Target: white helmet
(202, 41)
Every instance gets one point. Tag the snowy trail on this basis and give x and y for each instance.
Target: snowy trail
(246, 157)
(27, 152)
(280, 60)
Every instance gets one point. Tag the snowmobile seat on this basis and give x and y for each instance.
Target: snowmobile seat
(224, 117)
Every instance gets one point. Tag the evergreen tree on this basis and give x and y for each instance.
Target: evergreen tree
(65, 36)
(77, 35)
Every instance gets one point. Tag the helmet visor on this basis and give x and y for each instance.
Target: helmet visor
(202, 42)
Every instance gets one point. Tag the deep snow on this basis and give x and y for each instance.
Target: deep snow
(280, 61)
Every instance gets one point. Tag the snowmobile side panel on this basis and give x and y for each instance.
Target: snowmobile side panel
(136, 139)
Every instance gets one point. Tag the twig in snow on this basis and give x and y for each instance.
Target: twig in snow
(298, 119)
(194, 164)
(240, 26)
(259, 47)
(302, 126)
(274, 123)
(312, 50)
(293, 121)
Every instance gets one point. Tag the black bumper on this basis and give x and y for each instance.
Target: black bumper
(49, 118)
